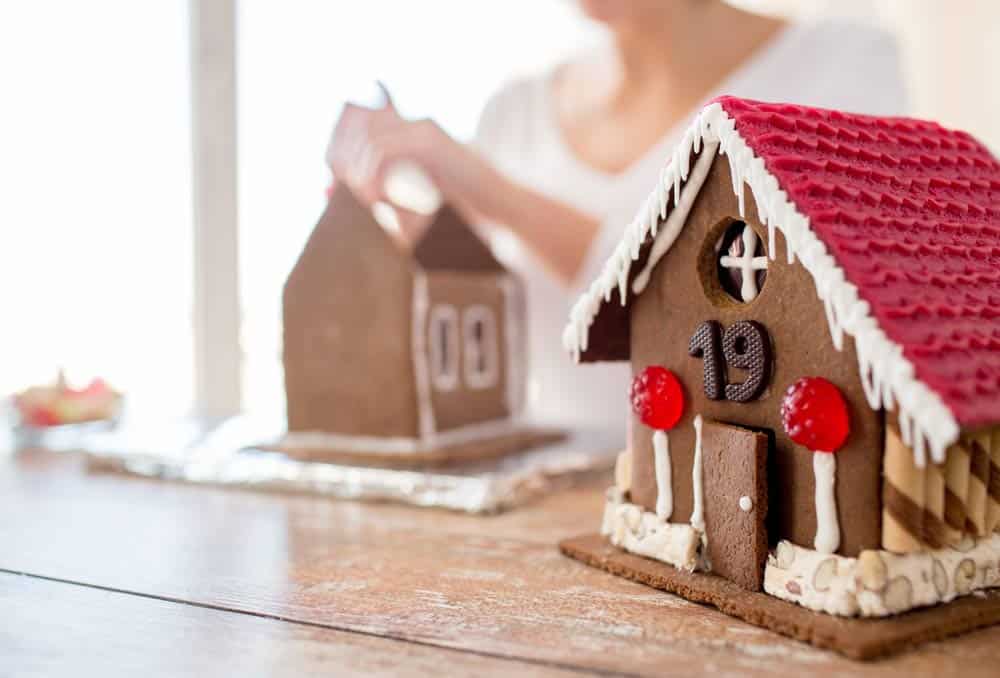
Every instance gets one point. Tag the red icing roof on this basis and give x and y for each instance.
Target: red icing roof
(911, 213)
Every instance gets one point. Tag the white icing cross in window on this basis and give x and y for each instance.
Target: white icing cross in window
(747, 263)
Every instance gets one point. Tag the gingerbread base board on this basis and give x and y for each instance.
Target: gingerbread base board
(518, 440)
(863, 639)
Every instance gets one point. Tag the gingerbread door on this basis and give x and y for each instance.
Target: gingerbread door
(734, 463)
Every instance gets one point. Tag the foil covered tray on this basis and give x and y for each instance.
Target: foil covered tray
(226, 453)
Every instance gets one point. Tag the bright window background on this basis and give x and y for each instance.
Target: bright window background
(299, 61)
(95, 259)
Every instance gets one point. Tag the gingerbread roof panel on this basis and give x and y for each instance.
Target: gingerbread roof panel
(897, 220)
(911, 212)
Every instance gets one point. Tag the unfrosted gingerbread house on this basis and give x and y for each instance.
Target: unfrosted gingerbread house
(810, 301)
(401, 355)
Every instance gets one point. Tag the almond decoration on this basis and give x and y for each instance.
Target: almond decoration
(940, 578)
(825, 573)
(785, 555)
(965, 575)
(899, 595)
(874, 575)
(880, 583)
(633, 517)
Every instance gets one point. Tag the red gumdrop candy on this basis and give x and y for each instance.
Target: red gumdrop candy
(814, 415)
(657, 398)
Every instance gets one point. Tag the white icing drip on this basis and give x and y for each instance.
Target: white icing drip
(698, 510)
(425, 408)
(748, 264)
(661, 459)
(746, 504)
(827, 528)
(889, 378)
(675, 222)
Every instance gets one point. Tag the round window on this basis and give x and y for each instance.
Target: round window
(741, 262)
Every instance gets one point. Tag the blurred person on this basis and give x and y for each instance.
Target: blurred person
(561, 162)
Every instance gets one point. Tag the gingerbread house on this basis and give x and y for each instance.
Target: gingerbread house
(401, 355)
(809, 301)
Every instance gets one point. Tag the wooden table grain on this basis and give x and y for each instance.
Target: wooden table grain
(365, 588)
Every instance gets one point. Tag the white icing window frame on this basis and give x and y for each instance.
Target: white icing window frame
(443, 376)
(484, 349)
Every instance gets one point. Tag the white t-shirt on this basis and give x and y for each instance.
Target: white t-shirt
(829, 64)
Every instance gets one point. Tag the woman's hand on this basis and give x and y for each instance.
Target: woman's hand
(368, 142)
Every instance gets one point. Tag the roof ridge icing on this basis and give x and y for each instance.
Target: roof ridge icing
(889, 378)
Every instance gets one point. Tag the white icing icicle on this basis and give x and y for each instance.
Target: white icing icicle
(889, 378)
(661, 460)
(827, 528)
(698, 510)
(675, 222)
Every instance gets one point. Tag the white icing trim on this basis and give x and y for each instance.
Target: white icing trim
(643, 533)
(827, 528)
(444, 367)
(698, 510)
(746, 504)
(514, 337)
(880, 583)
(675, 222)
(392, 445)
(486, 348)
(888, 377)
(661, 461)
(418, 331)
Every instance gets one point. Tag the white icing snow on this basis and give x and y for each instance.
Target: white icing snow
(880, 583)
(888, 377)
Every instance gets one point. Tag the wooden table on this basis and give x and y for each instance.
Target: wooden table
(109, 575)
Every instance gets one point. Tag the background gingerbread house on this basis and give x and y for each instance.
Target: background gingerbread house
(397, 353)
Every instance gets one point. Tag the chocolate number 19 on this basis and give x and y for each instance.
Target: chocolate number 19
(744, 344)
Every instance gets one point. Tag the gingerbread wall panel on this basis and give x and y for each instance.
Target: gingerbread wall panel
(347, 309)
(685, 291)
(467, 348)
